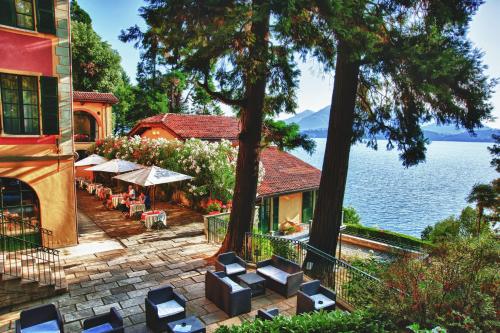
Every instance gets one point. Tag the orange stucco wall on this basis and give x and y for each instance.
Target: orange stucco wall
(102, 113)
(156, 133)
(81, 172)
(54, 186)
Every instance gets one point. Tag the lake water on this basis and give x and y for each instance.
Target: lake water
(391, 197)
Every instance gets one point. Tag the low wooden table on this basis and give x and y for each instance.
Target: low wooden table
(187, 325)
(253, 281)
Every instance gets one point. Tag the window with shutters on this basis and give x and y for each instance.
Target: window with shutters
(20, 105)
(28, 101)
(25, 13)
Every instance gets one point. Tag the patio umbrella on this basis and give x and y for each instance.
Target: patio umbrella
(116, 166)
(152, 176)
(93, 159)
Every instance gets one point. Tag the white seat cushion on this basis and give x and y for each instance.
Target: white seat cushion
(234, 285)
(47, 327)
(321, 301)
(169, 308)
(234, 269)
(274, 273)
(99, 329)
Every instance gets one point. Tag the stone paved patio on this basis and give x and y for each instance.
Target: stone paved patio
(122, 277)
(116, 225)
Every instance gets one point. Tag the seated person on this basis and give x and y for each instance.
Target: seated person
(122, 206)
(141, 197)
(131, 192)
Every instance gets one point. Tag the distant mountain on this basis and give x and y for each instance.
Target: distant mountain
(315, 125)
(299, 116)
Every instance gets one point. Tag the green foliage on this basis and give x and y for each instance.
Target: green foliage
(453, 228)
(495, 151)
(317, 322)
(351, 216)
(456, 287)
(78, 14)
(96, 66)
(387, 236)
(359, 290)
(286, 136)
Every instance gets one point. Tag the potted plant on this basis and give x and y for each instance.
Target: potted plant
(214, 206)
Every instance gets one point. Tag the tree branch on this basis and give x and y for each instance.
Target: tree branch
(220, 96)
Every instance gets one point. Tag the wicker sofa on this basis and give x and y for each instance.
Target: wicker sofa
(229, 296)
(268, 314)
(110, 322)
(282, 275)
(164, 305)
(312, 296)
(44, 318)
(230, 264)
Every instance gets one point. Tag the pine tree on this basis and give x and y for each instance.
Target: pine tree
(398, 64)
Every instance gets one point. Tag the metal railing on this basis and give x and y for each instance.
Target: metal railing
(217, 229)
(353, 286)
(24, 253)
(26, 230)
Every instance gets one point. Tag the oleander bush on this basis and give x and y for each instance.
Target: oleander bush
(318, 322)
(211, 164)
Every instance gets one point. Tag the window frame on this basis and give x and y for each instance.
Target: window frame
(21, 106)
(33, 16)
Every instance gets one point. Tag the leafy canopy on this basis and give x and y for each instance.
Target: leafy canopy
(416, 65)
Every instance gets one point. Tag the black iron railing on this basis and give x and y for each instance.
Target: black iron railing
(353, 286)
(217, 228)
(25, 253)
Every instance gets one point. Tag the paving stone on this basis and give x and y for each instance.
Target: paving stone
(100, 276)
(115, 298)
(214, 317)
(105, 308)
(132, 280)
(122, 289)
(77, 315)
(132, 302)
(89, 304)
(106, 286)
(137, 293)
(98, 294)
(137, 273)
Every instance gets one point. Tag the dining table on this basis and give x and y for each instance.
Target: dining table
(136, 206)
(115, 199)
(151, 217)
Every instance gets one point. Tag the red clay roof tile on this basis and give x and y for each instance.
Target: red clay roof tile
(92, 96)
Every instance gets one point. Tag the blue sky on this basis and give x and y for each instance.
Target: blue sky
(111, 16)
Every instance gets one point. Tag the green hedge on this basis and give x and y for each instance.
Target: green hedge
(318, 322)
(392, 238)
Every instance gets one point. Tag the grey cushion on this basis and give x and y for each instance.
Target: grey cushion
(169, 308)
(106, 327)
(321, 301)
(234, 285)
(274, 273)
(234, 269)
(47, 327)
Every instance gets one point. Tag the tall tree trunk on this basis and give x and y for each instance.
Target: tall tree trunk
(252, 116)
(328, 212)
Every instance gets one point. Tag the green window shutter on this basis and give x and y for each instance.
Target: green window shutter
(45, 16)
(50, 104)
(7, 13)
(307, 206)
(276, 210)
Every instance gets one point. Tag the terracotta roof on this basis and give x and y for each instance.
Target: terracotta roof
(187, 126)
(285, 173)
(91, 96)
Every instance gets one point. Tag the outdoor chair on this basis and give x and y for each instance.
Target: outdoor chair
(110, 322)
(44, 318)
(282, 275)
(164, 305)
(267, 314)
(230, 264)
(229, 296)
(312, 296)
